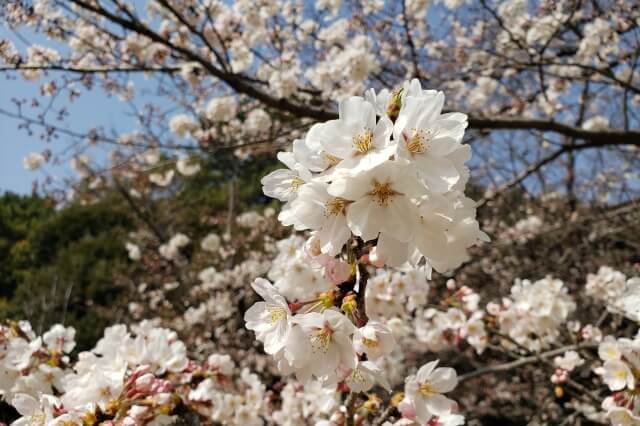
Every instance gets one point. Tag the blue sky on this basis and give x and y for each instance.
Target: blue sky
(93, 108)
(16, 143)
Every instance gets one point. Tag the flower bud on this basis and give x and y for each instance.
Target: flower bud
(138, 411)
(451, 284)
(143, 383)
(393, 109)
(559, 392)
(337, 271)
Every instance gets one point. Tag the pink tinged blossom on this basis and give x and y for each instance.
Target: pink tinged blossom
(337, 271)
(374, 339)
(319, 343)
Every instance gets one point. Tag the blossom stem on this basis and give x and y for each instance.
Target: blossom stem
(363, 278)
(384, 416)
(524, 361)
(349, 404)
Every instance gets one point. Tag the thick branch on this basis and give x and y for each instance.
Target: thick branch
(241, 85)
(600, 137)
(523, 361)
(95, 69)
(533, 168)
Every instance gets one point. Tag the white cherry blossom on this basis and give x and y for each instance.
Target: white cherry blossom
(271, 319)
(425, 391)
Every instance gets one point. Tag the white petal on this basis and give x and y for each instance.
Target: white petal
(439, 404)
(25, 404)
(444, 379)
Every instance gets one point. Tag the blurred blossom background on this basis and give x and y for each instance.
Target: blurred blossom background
(134, 137)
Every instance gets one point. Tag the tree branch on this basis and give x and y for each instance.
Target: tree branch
(523, 361)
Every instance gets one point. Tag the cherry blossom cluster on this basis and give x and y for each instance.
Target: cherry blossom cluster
(525, 229)
(294, 273)
(214, 271)
(621, 373)
(321, 344)
(381, 185)
(324, 344)
(390, 169)
(322, 51)
(396, 293)
(565, 365)
(305, 404)
(31, 364)
(533, 314)
(619, 293)
(141, 376)
(461, 319)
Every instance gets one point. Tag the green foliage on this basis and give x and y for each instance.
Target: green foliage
(18, 214)
(69, 265)
(62, 266)
(206, 194)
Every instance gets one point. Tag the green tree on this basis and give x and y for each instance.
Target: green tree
(65, 266)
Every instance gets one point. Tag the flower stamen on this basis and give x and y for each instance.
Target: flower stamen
(335, 207)
(295, 184)
(331, 159)
(419, 142)
(426, 389)
(382, 192)
(321, 339)
(363, 142)
(276, 314)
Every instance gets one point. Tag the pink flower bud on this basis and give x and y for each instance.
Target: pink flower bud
(406, 409)
(140, 370)
(162, 398)
(143, 383)
(129, 421)
(337, 271)
(161, 386)
(138, 411)
(560, 376)
(191, 366)
(312, 250)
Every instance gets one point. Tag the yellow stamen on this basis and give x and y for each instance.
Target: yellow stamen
(321, 339)
(426, 389)
(295, 184)
(370, 343)
(331, 159)
(349, 305)
(363, 142)
(335, 207)
(357, 376)
(397, 398)
(37, 419)
(276, 314)
(419, 142)
(382, 192)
